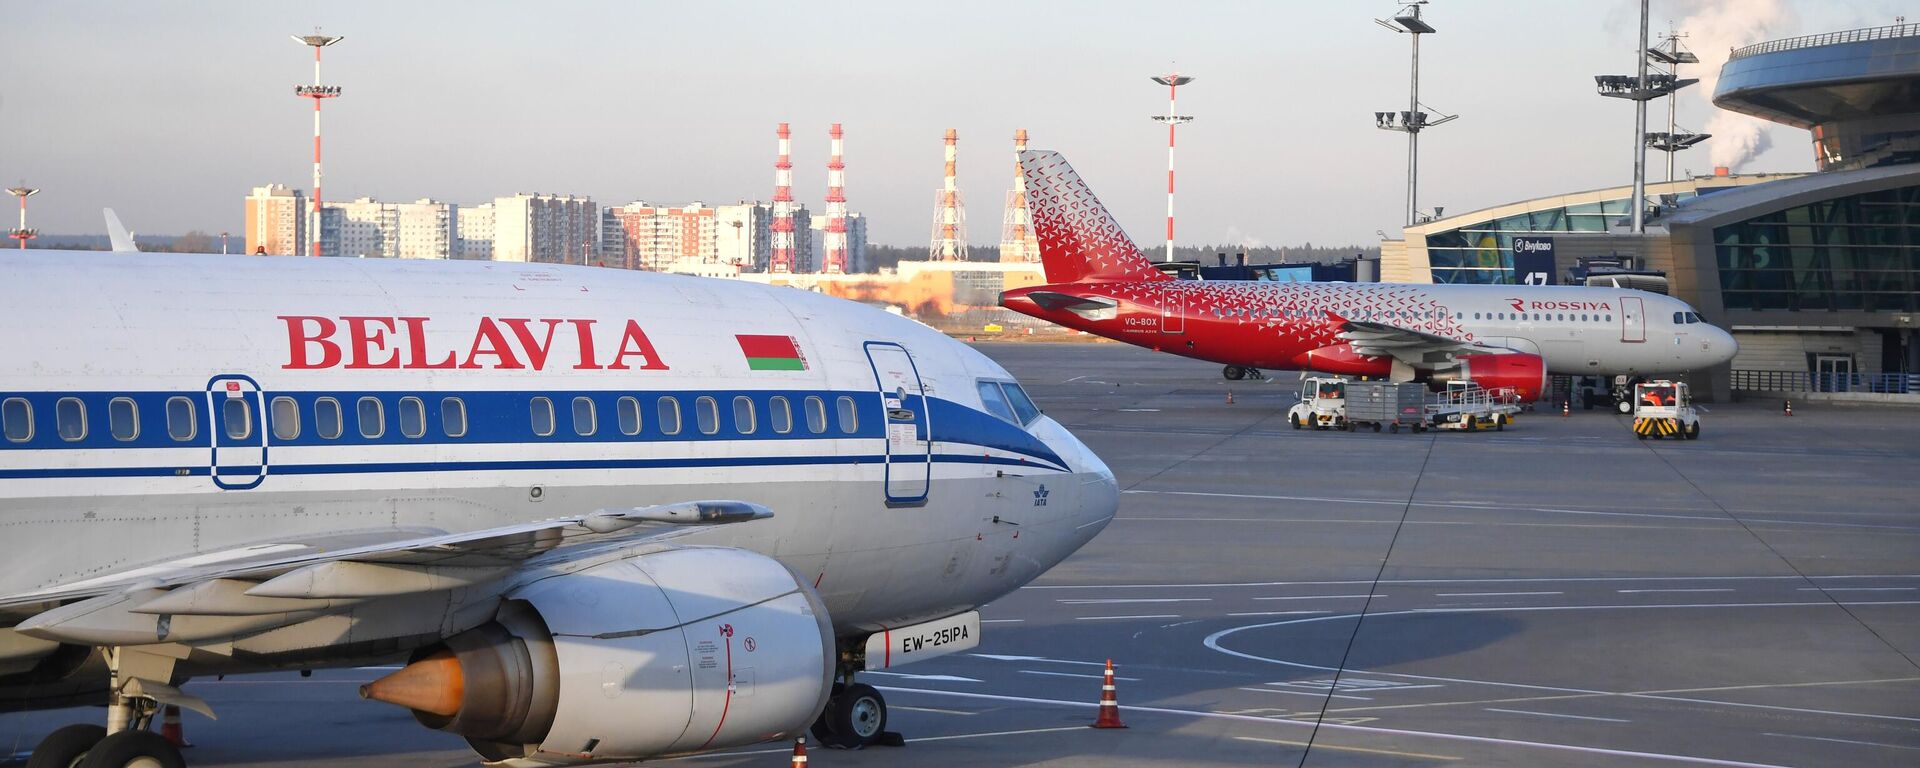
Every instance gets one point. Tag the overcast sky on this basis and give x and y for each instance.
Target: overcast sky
(170, 111)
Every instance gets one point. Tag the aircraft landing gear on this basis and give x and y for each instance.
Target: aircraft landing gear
(125, 742)
(1238, 372)
(855, 717)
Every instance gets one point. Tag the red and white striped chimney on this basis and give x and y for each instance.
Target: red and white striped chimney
(836, 241)
(782, 226)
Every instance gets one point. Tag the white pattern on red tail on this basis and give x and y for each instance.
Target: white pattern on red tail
(1079, 240)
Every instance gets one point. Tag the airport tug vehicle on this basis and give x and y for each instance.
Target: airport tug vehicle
(1664, 409)
(1469, 407)
(1323, 404)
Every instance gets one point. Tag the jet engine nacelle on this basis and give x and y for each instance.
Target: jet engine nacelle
(1525, 373)
(1342, 360)
(663, 653)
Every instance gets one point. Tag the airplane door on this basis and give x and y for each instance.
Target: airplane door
(1173, 311)
(909, 449)
(1633, 319)
(236, 431)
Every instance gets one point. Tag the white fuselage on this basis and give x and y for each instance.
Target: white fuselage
(185, 406)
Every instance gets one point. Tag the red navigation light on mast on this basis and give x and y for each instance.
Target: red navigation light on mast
(1171, 118)
(21, 233)
(782, 260)
(317, 92)
(836, 239)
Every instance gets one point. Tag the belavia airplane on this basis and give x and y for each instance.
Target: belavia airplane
(599, 515)
(1498, 335)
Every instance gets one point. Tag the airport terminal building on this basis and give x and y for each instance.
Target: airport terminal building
(1817, 275)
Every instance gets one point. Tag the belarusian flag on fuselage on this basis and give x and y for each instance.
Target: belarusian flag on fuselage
(771, 353)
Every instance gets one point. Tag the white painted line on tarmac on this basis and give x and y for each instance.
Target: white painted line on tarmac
(1108, 600)
(1839, 741)
(1689, 759)
(1277, 613)
(935, 710)
(1070, 674)
(935, 678)
(1338, 748)
(1306, 693)
(1320, 597)
(1642, 591)
(997, 657)
(1556, 714)
(1492, 594)
(1001, 621)
(1081, 728)
(1147, 616)
(1858, 589)
(1474, 581)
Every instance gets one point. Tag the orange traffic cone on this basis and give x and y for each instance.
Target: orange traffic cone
(1789, 407)
(800, 752)
(1229, 397)
(170, 727)
(1109, 706)
(1566, 408)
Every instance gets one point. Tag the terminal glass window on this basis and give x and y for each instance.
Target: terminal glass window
(18, 415)
(706, 413)
(1859, 252)
(372, 417)
(123, 417)
(413, 417)
(326, 418)
(542, 414)
(627, 409)
(286, 418)
(781, 412)
(70, 417)
(453, 417)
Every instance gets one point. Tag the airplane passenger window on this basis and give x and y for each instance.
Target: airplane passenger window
(70, 417)
(669, 409)
(326, 417)
(848, 418)
(781, 412)
(18, 415)
(1023, 406)
(1476, 315)
(180, 422)
(123, 417)
(996, 401)
(373, 417)
(706, 414)
(453, 417)
(816, 415)
(413, 417)
(584, 421)
(743, 415)
(542, 412)
(286, 418)
(628, 412)
(236, 416)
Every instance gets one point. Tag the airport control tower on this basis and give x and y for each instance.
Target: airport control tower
(1858, 91)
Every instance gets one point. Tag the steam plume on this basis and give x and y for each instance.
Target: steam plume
(1714, 29)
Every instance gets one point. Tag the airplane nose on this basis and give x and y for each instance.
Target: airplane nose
(1724, 346)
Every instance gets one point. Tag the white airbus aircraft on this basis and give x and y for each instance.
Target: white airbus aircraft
(603, 515)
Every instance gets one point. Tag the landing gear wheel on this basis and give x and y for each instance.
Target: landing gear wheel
(1234, 372)
(133, 749)
(856, 717)
(822, 729)
(66, 746)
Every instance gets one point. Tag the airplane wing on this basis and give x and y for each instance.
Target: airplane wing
(255, 588)
(1405, 344)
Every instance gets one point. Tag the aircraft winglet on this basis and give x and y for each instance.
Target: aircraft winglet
(117, 232)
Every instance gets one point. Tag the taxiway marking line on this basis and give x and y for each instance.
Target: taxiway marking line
(1690, 759)
(1705, 589)
(1556, 714)
(1000, 733)
(1858, 589)
(1307, 693)
(1393, 752)
(1276, 613)
(1492, 594)
(935, 710)
(1486, 506)
(1070, 674)
(1213, 641)
(1001, 621)
(1651, 693)
(1841, 741)
(998, 657)
(1473, 581)
(1114, 600)
(1148, 616)
(1320, 597)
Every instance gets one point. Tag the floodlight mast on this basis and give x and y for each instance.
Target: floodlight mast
(1409, 21)
(1171, 118)
(317, 92)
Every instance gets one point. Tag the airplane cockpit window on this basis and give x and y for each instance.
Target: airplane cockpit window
(994, 400)
(1023, 406)
(18, 416)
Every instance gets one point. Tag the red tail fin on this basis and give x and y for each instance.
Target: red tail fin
(1079, 240)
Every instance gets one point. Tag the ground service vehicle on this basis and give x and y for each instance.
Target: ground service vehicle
(1323, 403)
(1468, 406)
(1664, 408)
(1390, 403)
